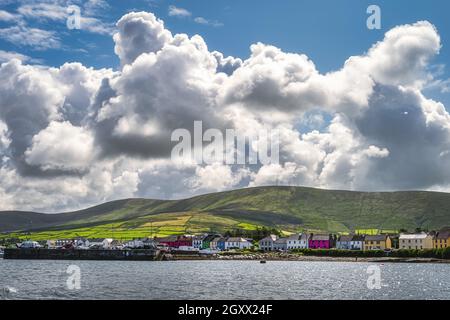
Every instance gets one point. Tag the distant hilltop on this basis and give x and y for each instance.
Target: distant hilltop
(281, 207)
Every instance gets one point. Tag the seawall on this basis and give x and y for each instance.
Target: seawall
(72, 254)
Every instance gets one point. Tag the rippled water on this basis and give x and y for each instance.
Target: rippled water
(34, 279)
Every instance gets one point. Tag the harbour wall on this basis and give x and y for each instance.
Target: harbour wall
(73, 254)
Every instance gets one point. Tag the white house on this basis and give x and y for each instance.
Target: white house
(81, 243)
(197, 241)
(237, 243)
(350, 242)
(29, 245)
(134, 244)
(418, 241)
(96, 243)
(107, 243)
(297, 241)
(50, 244)
(267, 243)
(62, 242)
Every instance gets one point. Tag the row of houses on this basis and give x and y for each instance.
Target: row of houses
(206, 241)
(416, 241)
(182, 242)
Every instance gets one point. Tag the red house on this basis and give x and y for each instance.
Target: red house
(176, 241)
(184, 241)
(320, 241)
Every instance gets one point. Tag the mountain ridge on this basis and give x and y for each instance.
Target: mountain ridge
(284, 207)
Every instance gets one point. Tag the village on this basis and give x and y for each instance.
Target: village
(216, 243)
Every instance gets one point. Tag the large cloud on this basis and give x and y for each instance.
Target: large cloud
(139, 32)
(74, 136)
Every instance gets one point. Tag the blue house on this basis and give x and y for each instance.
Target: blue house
(221, 243)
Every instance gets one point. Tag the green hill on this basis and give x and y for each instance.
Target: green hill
(286, 208)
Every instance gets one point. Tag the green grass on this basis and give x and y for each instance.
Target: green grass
(159, 225)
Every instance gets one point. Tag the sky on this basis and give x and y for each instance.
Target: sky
(86, 114)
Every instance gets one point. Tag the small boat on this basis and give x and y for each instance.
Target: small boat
(262, 261)
(1, 253)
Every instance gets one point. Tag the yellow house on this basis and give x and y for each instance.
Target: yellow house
(417, 241)
(442, 239)
(378, 242)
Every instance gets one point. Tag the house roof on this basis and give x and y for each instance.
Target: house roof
(236, 239)
(351, 237)
(443, 234)
(346, 238)
(281, 241)
(272, 237)
(210, 237)
(298, 236)
(167, 239)
(320, 237)
(378, 237)
(413, 236)
(358, 237)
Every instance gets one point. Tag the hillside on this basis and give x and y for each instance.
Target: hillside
(286, 208)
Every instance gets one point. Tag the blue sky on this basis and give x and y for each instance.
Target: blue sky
(326, 31)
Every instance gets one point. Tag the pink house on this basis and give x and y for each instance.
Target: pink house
(176, 241)
(320, 241)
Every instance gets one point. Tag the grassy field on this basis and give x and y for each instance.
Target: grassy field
(158, 225)
(290, 209)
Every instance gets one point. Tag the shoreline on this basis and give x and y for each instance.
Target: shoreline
(296, 257)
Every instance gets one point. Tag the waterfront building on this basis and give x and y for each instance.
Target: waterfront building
(206, 242)
(237, 243)
(110, 243)
(134, 244)
(297, 241)
(29, 245)
(267, 243)
(176, 241)
(50, 244)
(320, 241)
(377, 242)
(280, 244)
(221, 244)
(350, 242)
(96, 243)
(81, 243)
(214, 243)
(59, 243)
(197, 241)
(442, 239)
(417, 241)
(184, 241)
